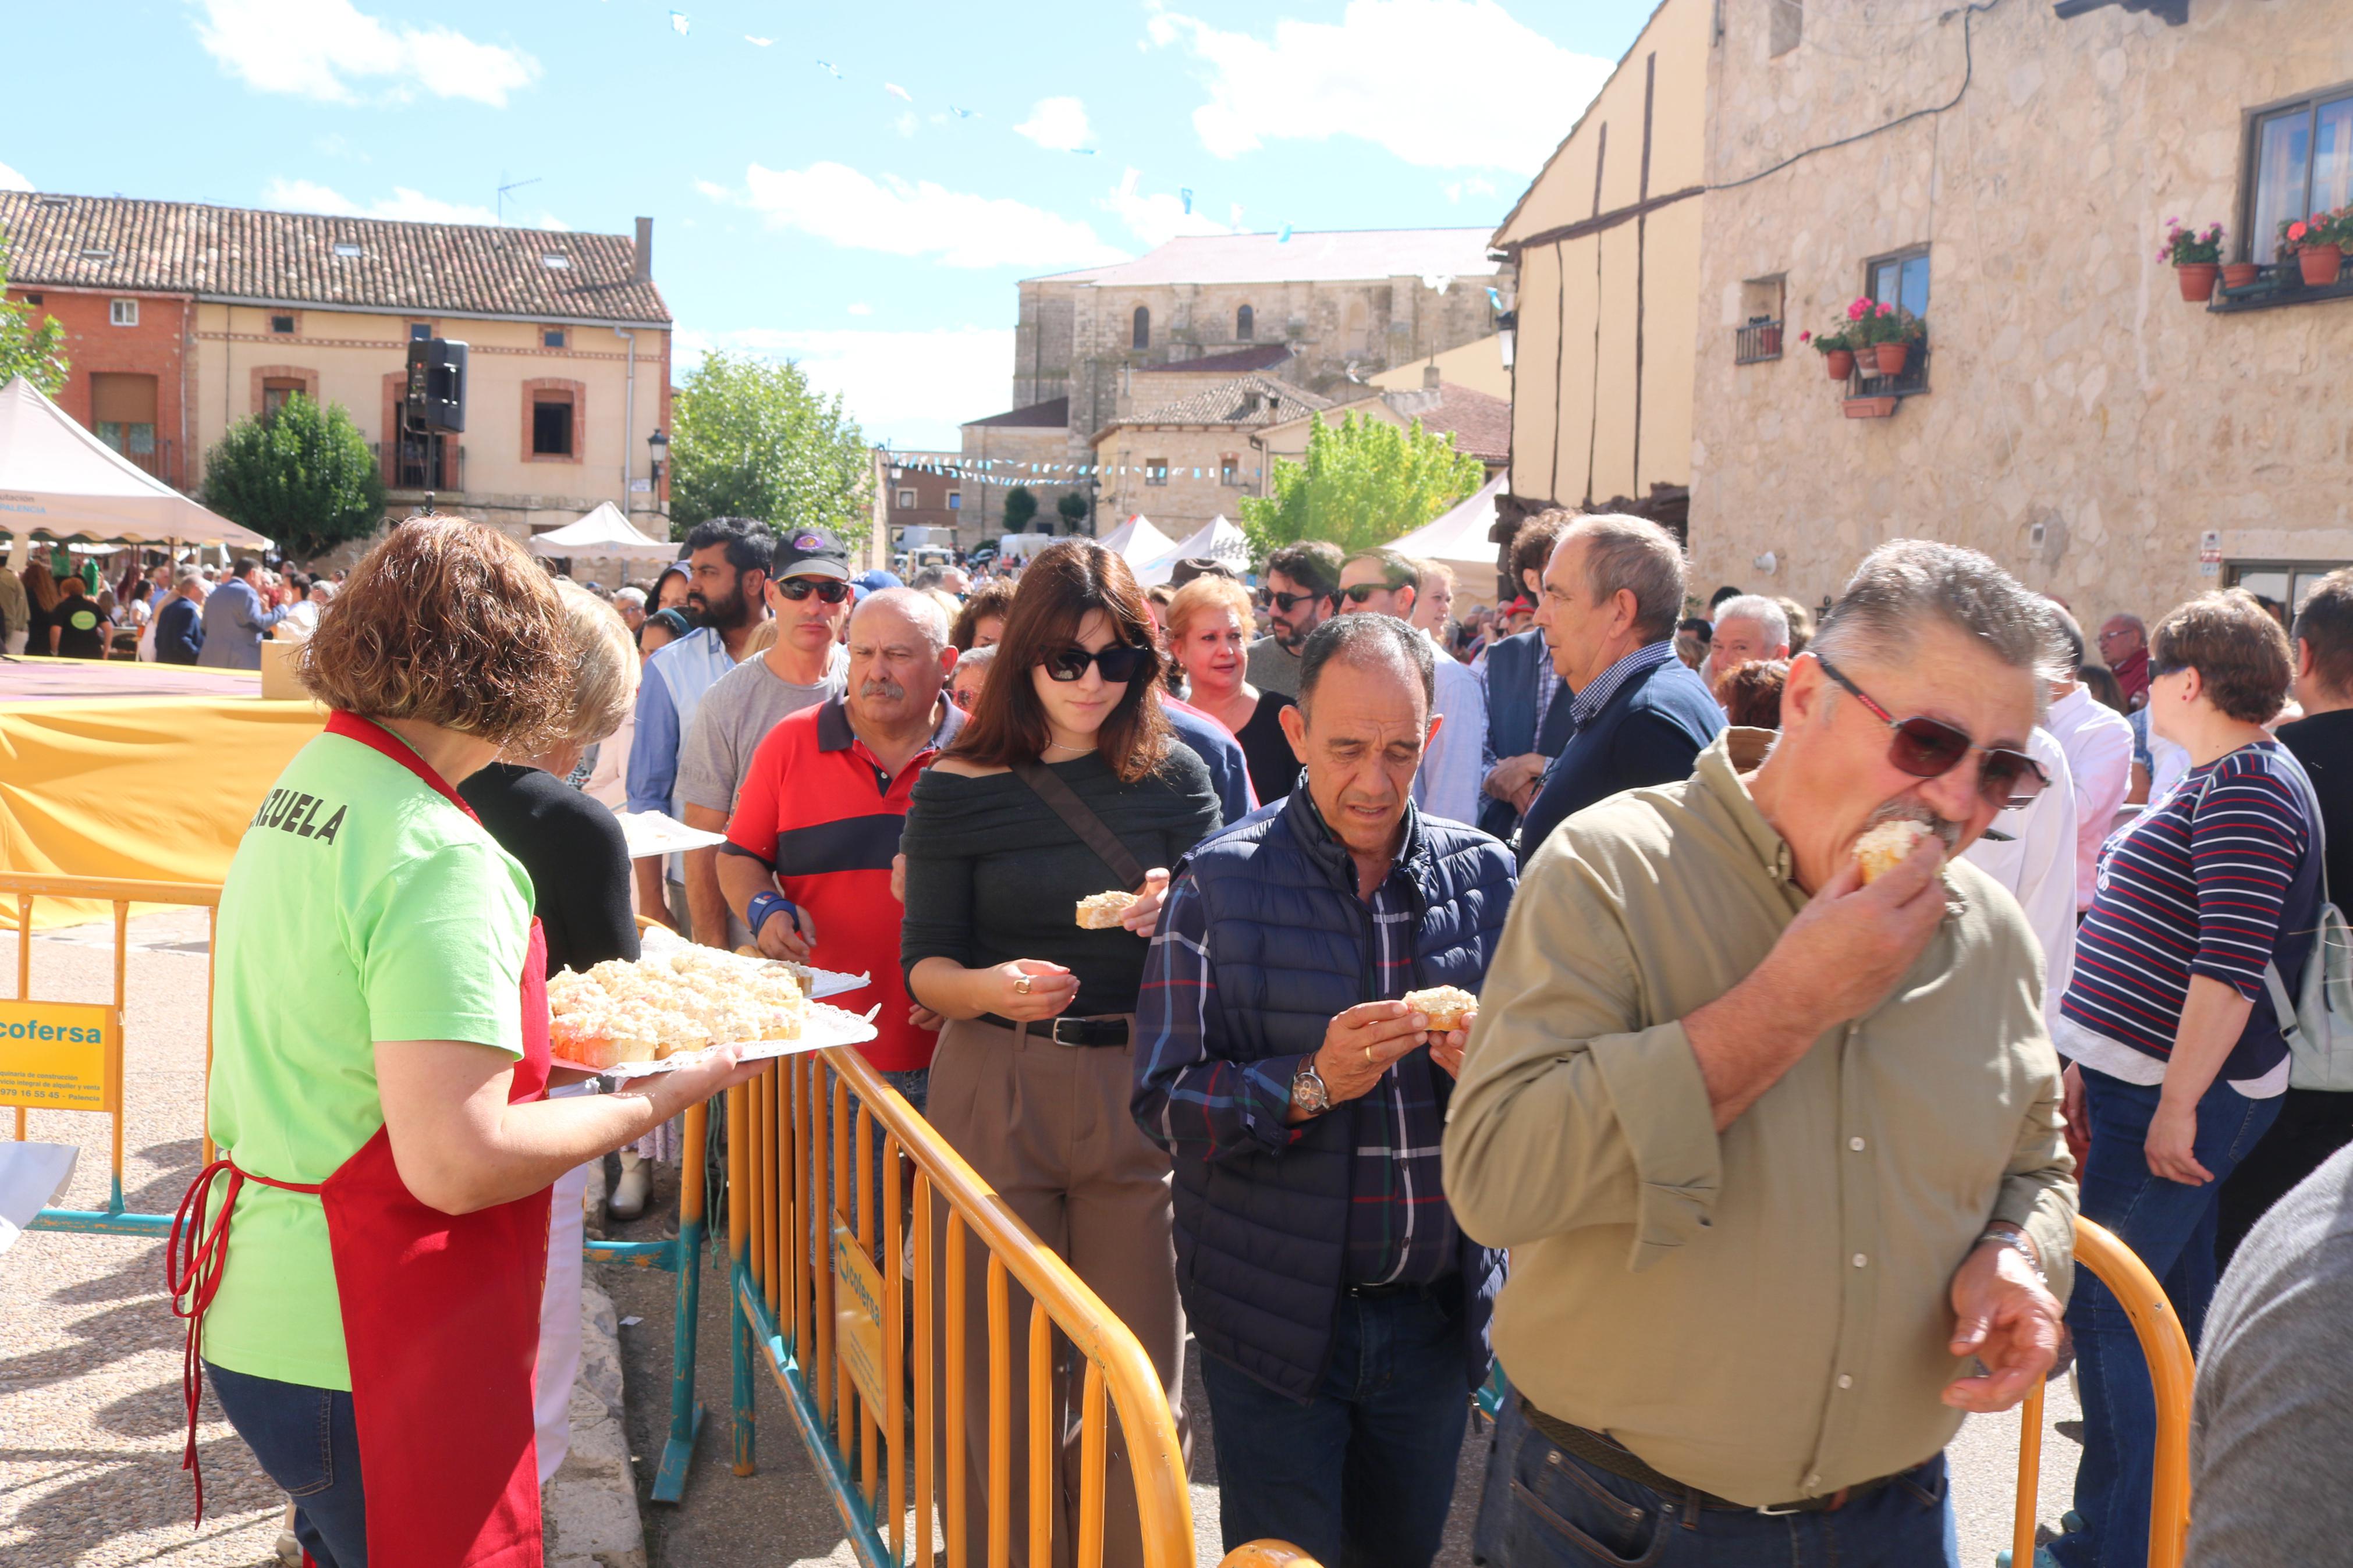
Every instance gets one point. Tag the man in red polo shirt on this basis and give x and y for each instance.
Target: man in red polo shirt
(807, 857)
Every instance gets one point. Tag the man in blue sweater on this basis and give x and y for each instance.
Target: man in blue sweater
(180, 623)
(1611, 594)
(1341, 1312)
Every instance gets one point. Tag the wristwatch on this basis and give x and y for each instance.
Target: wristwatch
(1308, 1090)
(2019, 1242)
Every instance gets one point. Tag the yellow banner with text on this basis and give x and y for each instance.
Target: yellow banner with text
(60, 1056)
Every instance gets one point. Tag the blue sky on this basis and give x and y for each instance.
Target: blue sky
(853, 186)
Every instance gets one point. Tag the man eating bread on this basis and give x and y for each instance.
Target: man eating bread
(1305, 1008)
(1760, 1098)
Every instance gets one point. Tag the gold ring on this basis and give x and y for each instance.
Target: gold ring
(1021, 986)
(1368, 1053)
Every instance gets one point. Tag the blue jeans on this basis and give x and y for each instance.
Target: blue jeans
(2171, 1228)
(1547, 1509)
(308, 1442)
(1360, 1476)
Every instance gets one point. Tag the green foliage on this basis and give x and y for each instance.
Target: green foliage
(1073, 508)
(1365, 482)
(303, 476)
(1020, 507)
(749, 437)
(36, 351)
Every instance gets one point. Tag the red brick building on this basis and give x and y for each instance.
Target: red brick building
(129, 353)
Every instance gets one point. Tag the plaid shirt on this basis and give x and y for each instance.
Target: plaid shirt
(1400, 1230)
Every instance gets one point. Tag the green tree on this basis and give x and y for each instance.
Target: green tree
(750, 438)
(1073, 508)
(303, 476)
(1365, 482)
(1020, 506)
(35, 350)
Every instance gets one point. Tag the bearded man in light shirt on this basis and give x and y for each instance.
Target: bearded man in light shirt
(1775, 1181)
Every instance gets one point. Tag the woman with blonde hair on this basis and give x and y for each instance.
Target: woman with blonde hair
(371, 1322)
(1208, 631)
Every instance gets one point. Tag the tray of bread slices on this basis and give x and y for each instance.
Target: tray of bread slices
(668, 1010)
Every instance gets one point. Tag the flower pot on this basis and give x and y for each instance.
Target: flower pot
(1839, 362)
(2239, 274)
(2197, 280)
(1892, 357)
(1871, 407)
(2321, 264)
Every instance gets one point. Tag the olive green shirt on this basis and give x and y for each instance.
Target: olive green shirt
(1764, 1312)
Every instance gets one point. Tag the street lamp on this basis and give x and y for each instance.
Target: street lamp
(659, 444)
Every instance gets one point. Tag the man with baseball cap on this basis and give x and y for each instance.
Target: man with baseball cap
(808, 591)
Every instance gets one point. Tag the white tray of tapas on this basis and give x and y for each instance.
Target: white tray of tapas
(626, 1020)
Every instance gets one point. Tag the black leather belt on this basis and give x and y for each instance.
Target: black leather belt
(1602, 1454)
(1108, 1031)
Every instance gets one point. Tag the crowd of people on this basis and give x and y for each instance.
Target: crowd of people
(59, 606)
(1477, 994)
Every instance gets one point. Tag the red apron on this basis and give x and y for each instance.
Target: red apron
(440, 1319)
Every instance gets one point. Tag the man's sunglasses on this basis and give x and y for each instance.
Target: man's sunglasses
(1930, 748)
(1120, 663)
(1363, 592)
(831, 590)
(1286, 603)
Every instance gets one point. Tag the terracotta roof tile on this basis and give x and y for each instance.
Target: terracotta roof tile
(1236, 362)
(1247, 400)
(244, 253)
(1480, 423)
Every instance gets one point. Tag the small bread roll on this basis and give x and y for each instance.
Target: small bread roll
(1444, 1006)
(1882, 848)
(1102, 911)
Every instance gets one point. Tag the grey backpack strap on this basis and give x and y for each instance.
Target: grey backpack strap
(1082, 821)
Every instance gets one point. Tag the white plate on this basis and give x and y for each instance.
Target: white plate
(657, 832)
(660, 941)
(824, 1027)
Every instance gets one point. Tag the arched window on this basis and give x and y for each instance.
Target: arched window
(1142, 338)
(1245, 323)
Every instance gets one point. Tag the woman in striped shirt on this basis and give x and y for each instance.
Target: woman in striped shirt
(2177, 1060)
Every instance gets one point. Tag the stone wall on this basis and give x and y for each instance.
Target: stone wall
(1194, 492)
(2081, 424)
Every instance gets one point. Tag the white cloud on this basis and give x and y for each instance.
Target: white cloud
(907, 124)
(1477, 185)
(405, 204)
(1443, 84)
(329, 50)
(899, 217)
(911, 389)
(861, 309)
(1057, 124)
(1157, 219)
(12, 180)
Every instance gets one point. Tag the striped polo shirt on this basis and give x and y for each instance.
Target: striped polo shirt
(2212, 880)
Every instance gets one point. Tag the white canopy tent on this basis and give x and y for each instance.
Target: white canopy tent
(1136, 541)
(1458, 537)
(1216, 539)
(604, 535)
(58, 478)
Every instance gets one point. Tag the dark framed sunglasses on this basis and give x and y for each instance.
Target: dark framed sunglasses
(1363, 592)
(1120, 663)
(831, 590)
(1286, 603)
(1930, 748)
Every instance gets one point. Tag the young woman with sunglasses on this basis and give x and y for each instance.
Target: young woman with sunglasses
(2176, 1060)
(1034, 1069)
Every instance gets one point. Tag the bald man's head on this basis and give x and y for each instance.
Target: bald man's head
(899, 659)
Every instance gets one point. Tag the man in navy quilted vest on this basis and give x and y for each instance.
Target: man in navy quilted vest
(1341, 1312)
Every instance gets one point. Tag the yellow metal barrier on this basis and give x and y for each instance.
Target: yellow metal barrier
(2170, 1372)
(880, 1400)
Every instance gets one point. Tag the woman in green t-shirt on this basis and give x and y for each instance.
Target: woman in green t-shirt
(385, 1140)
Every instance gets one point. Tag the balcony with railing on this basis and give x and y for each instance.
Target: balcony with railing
(159, 460)
(422, 463)
(1757, 342)
(1869, 394)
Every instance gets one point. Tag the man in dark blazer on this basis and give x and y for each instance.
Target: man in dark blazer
(1611, 594)
(180, 622)
(1527, 709)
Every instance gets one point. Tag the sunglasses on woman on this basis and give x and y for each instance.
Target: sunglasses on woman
(828, 589)
(1930, 748)
(1120, 663)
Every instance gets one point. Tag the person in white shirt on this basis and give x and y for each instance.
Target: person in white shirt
(1447, 782)
(2099, 747)
(2037, 862)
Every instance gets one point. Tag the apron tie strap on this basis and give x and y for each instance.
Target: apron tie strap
(192, 1260)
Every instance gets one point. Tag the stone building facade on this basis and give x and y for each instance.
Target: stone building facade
(1186, 463)
(1028, 446)
(1364, 300)
(2074, 417)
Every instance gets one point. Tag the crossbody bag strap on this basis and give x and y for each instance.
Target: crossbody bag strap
(1082, 821)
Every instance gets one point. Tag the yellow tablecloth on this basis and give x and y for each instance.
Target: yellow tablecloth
(136, 786)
